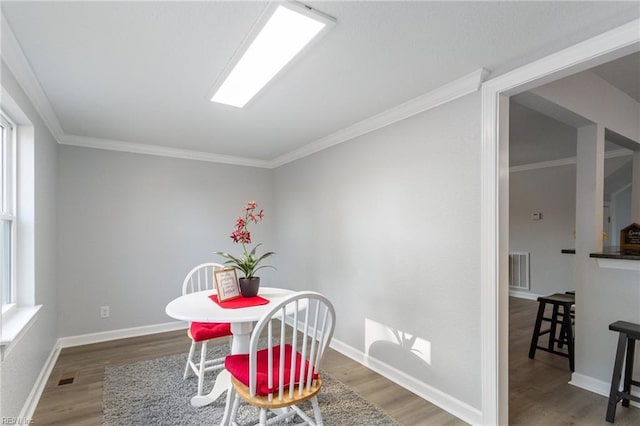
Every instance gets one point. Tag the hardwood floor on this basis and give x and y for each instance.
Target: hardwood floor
(80, 403)
(539, 389)
(539, 392)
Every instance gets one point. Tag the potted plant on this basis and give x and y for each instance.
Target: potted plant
(248, 262)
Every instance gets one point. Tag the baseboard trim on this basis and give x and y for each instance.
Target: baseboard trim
(38, 387)
(589, 383)
(31, 403)
(524, 295)
(597, 386)
(124, 333)
(443, 400)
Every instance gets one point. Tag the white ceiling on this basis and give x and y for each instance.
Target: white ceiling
(139, 72)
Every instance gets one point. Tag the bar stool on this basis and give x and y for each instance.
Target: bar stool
(563, 334)
(557, 301)
(628, 334)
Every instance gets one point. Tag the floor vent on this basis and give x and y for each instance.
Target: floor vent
(519, 271)
(67, 379)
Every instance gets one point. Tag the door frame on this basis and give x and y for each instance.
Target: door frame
(494, 211)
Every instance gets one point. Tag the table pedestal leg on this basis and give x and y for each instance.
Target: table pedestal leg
(222, 383)
(239, 345)
(241, 334)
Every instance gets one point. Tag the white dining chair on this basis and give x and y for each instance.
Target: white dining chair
(282, 368)
(198, 279)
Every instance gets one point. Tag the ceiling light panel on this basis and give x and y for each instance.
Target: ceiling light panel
(283, 33)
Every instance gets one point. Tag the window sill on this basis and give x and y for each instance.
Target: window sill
(14, 325)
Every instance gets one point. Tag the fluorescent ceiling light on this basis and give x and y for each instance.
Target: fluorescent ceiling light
(289, 29)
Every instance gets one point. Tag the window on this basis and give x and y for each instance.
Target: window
(17, 221)
(7, 214)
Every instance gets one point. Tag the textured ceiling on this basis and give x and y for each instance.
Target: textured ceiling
(139, 72)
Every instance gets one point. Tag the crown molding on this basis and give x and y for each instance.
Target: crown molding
(19, 65)
(443, 94)
(566, 161)
(160, 151)
(17, 62)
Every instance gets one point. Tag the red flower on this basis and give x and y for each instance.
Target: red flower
(240, 223)
(241, 236)
(248, 262)
(241, 233)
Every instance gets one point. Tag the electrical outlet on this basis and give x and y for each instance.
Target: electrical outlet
(104, 311)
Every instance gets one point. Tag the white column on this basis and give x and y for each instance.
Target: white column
(635, 189)
(589, 205)
(589, 190)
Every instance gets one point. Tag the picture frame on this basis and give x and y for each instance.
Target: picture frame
(227, 284)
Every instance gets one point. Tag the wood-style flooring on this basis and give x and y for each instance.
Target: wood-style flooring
(539, 389)
(80, 403)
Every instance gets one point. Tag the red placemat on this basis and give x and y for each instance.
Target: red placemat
(240, 302)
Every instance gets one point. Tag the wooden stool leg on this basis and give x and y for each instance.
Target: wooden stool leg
(615, 380)
(554, 323)
(536, 330)
(628, 370)
(568, 332)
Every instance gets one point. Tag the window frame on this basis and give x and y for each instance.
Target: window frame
(8, 181)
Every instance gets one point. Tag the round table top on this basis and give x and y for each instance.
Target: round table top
(198, 307)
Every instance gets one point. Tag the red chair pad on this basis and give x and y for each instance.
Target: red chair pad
(201, 331)
(238, 366)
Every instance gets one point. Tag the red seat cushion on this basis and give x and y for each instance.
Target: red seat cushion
(238, 366)
(201, 331)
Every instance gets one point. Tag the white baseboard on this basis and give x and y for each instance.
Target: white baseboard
(589, 383)
(36, 392)
(524, 295)
(443, 400)
(84, 339)
(105, 336)
(596, 386)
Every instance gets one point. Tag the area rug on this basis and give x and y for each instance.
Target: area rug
(153, 393)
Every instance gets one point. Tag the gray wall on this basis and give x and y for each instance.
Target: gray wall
(608, 295)
(387, 225)
(131, 226)
(20, 369)
(551, 191)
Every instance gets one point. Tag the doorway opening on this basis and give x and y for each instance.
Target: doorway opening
(496, 95)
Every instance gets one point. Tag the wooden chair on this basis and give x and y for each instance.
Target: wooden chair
(285, 371)
(198, 279)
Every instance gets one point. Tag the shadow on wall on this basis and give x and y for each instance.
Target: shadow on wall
(397, 348)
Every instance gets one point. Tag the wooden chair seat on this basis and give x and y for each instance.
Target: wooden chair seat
(262, 401)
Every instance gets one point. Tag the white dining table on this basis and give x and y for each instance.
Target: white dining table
(198, 307)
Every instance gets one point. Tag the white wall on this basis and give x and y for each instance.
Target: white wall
(22, 365)
(387, 226)
(609, 295)
(551, 191)
(131, 226)
(536, 138)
